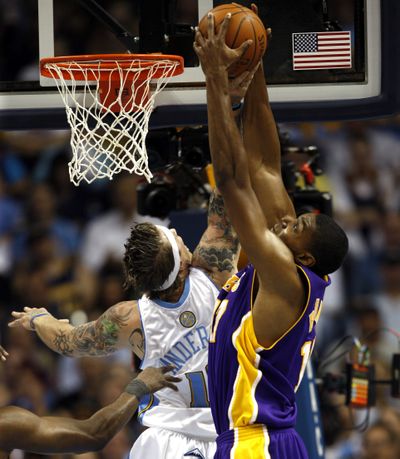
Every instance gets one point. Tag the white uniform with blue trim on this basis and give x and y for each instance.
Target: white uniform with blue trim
(180, 423)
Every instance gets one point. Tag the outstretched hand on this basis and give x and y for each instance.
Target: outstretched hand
(157, 378)
(214, 54)
(27, 318)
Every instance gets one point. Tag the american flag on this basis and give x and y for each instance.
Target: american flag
(321, 50)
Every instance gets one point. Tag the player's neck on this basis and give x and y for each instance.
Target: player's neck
(174, 297)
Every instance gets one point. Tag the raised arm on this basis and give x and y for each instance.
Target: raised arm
(24, 430)
(218, 250)
(262, 145)
(111, 331)
(270, 256)
(261, 141)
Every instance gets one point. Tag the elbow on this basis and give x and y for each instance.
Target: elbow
(98, 445)
(99, 441)
(223, 173)
(226, 182)
(223, 181)
(98, 434)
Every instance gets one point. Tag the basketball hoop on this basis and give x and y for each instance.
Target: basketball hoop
(108, 100)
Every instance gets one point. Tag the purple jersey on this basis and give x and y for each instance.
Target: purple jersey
(250, 384)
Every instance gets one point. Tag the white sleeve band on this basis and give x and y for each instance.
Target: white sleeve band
(177, 258)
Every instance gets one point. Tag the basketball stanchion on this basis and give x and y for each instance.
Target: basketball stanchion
(108, 100)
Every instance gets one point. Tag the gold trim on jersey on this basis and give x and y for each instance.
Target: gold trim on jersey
(243, 408)
(251, 442)
(148, 406)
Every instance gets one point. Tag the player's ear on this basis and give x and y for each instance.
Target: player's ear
(306, 259)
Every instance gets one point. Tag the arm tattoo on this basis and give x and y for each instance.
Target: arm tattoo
(94, 338)
(62, 344)
(219, 245)
(220, 258)
(218, 217)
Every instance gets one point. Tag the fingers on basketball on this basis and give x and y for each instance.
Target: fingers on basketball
(243, 25)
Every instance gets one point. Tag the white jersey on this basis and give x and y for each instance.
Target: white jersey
(177, 334)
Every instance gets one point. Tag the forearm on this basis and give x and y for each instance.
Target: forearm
(24, 430)
(58, 336)
(81, 341)
(260, 134)
(227, 151)
(105, 423)
(103, 336)
(261, 140)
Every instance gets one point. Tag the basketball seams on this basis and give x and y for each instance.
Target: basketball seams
(237, 32)
(218, 23)
(250, 66)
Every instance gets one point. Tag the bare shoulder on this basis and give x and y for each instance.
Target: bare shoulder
(129, 311)
(124, 315)
(124, 309)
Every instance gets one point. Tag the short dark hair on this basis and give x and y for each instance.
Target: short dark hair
(329, 245)
(147, 261)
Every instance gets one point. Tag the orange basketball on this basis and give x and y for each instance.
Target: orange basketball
(244, 25)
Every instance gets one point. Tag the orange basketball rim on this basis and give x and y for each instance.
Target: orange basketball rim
(123, 79)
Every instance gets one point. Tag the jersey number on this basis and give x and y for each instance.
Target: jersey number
(306, 351)
(219, 310)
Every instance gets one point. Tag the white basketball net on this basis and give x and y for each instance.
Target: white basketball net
(105, 142)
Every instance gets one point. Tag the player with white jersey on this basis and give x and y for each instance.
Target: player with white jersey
(169, 324)
(178, 333)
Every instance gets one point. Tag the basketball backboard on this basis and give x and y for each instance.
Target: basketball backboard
(370, 86)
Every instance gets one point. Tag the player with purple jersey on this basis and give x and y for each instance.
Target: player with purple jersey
(263, 326)
(252, 384)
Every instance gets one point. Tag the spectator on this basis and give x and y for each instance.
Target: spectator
(105, 236)
(41, 212)
(69, 286)
(10, 219)
(388, 301)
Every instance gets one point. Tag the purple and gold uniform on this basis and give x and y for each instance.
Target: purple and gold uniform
(252, 388)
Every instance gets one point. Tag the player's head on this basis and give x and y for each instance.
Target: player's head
(155, 260)
(316, 241)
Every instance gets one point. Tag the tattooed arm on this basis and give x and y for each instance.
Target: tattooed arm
(111, 331)
(218, 249)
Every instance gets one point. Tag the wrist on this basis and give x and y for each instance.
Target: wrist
(218, 75)
(137, 388)
(237, 105)
(35, 317)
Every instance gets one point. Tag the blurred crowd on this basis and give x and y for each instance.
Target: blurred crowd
(61, 248)
(361, 163)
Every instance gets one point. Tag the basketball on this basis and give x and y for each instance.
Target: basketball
(244, 25)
